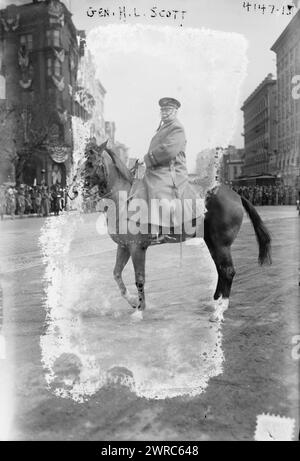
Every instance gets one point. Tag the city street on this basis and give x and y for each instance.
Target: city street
(78, 367)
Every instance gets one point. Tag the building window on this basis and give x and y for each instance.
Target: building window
(26, 40)
(49, 67)
(53, 37)
(54, 67)
(57, 68)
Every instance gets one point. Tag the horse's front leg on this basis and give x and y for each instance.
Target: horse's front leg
(138, 255)
(123, 255)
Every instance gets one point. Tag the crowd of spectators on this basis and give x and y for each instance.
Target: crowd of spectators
(44, 200)
(268, 195)
(32, 200)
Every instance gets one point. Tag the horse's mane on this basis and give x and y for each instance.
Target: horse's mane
(120, 165)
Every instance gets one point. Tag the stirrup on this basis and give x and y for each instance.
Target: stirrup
(162, 238)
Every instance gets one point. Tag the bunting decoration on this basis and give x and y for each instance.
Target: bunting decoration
(11, 23)
(26, 68)
(23, 57)
(60, 84)
(14, 23)
(26, 84)
(59, 154)
(60, 55)
(5, 25)
(63, 116)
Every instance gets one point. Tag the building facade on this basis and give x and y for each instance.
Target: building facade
(260, 129)
(119, 148)
(204, 174)
(45, 82)
(90, 96)
(122, 151)
(287, 49)
(39, 64)
(232, 164)
(110, 131)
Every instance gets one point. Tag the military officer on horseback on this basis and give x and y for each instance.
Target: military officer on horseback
(165, 182)
(169, 140)
(166, 176)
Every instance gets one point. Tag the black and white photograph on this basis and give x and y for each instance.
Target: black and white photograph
(149, 223)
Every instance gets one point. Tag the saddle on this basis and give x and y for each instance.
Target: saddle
(159, 234)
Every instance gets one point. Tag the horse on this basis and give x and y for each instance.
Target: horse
(105, 171)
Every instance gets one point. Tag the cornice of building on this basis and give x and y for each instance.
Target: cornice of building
(269, 80)
(292, 26)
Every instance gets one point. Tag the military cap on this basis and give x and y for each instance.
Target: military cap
(164, 102)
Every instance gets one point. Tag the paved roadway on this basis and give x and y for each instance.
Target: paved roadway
(77, 367)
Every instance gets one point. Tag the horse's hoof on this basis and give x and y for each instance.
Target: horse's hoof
(132, 300)
(216, 317)
(137, 316)
(220, 306)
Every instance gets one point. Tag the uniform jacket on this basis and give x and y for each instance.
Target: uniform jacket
(166, 175)
(168, 144)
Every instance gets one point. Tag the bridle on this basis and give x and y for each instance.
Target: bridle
(99, 170)
(95, 166)
(99, 165)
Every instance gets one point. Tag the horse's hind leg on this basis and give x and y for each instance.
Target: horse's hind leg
(224, 265)
(123, 255)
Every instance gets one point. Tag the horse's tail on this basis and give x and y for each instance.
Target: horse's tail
(263, 236)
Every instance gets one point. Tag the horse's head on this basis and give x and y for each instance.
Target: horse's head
(95, 168)
(103, 169)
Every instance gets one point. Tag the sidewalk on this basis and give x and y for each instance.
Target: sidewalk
(31, 215)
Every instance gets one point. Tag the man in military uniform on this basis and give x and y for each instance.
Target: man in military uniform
(166, 176)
